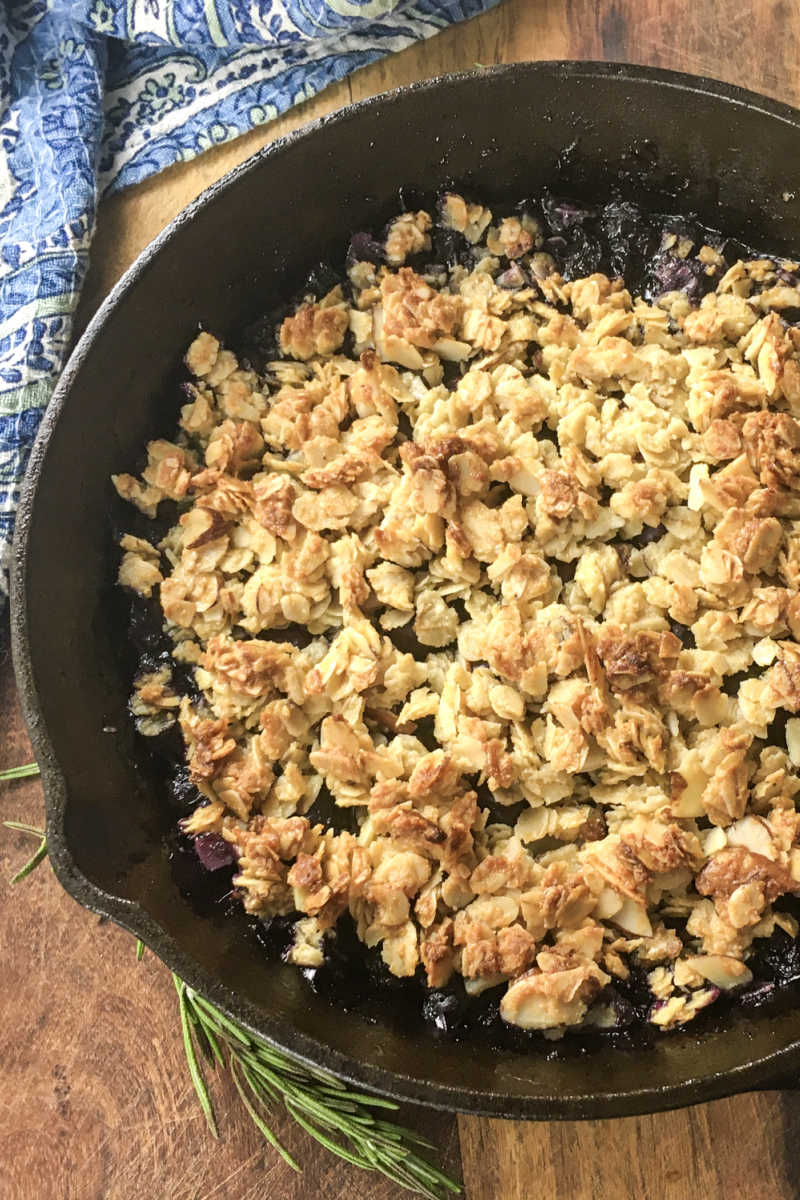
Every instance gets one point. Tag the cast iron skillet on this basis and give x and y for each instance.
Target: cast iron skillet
(682, 143)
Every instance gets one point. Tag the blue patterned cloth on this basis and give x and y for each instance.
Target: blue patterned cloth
(99, 94)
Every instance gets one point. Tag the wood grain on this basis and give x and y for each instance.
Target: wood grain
(96, 1103)
(745, 1147)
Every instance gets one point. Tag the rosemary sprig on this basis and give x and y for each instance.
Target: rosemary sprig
(343, 1121)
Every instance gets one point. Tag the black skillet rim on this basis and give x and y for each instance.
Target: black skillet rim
(771, 1070)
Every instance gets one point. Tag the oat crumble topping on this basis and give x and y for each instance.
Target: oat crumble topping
(543, 540)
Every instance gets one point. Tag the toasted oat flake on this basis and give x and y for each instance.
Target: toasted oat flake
(486, 540)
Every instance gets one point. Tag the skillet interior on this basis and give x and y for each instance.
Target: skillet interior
(678, 143)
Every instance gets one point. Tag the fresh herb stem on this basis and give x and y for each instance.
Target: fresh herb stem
(19, 772)
(340, 1120)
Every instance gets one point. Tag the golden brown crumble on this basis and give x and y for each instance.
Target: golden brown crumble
(591, 541)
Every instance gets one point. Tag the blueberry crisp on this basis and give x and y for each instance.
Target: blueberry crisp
(497, 553)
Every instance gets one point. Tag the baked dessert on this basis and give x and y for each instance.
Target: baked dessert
(480, 602)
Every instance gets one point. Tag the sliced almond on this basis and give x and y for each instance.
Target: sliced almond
(754, 834)
(720, 969)
(633, 918)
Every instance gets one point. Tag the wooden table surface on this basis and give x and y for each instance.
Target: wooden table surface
(96, 1103)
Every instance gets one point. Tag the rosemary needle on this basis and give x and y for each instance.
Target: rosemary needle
(39, 854)
(19, 772)
(191, 1058)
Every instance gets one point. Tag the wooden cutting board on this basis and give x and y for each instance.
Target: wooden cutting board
(96, 1103)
